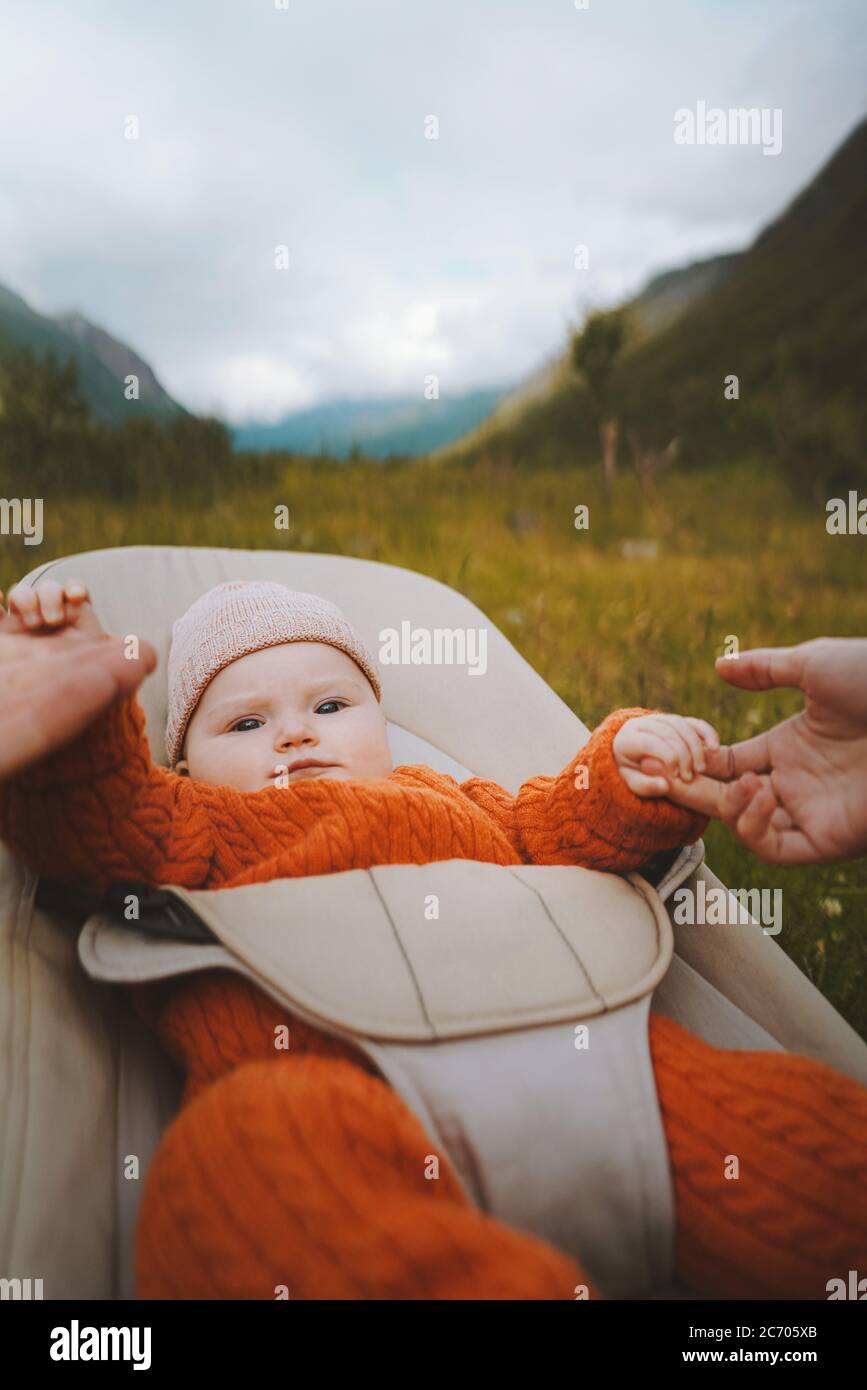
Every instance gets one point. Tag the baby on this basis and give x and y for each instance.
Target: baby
(279, 766)
(258, 659)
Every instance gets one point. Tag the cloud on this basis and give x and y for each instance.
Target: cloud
(305, 127)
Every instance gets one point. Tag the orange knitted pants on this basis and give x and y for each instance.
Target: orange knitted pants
(307, 1175)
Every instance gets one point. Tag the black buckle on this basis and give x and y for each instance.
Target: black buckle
(657, 866)
(160, 913)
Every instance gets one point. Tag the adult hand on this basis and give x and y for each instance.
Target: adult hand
(798, 793)
(801, 793)
(55, 680)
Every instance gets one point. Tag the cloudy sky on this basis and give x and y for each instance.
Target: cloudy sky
(305, 126)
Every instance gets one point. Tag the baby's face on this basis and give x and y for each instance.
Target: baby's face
(281, 706)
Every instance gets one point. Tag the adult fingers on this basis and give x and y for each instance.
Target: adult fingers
(751, 810)
(756, 830)
(701, 795)
(720, 763)
(753, 826)
(780, 818)
(52, 714)
(128, 672)
(764, 668)
(56, 702)
(751, 755)
(735, 797)
(642, 785)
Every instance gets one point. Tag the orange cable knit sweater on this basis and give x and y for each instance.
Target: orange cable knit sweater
(100, 811)
(329, 1158)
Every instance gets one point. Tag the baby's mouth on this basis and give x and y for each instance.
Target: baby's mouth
(306, 767)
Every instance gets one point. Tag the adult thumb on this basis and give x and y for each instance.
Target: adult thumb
(764, 668)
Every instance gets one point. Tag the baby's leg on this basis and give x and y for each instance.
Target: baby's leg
(309, 1173)
(796, 1216)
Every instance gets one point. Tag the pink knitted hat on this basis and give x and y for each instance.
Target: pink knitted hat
(241, 617)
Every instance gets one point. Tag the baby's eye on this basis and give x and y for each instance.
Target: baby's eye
(236, 728)
(340, 703)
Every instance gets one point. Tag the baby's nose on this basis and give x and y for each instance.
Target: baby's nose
(294, 732)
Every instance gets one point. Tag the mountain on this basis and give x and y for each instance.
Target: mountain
(103, 362)
(376, 428)
(789, 320)
(667, 296)
(121, 361)
(663, 299)
(787, 317)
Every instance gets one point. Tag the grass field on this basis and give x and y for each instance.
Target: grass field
(738, 554)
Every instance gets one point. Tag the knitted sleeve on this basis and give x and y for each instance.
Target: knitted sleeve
(100, 811)
(587, 815)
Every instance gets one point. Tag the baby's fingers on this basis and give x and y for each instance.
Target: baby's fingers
(50, 598)
(667, 743)
(692, 760)
(660, 741)
(706, 732)
(718, 762)
(76, 596)
(24, 604)
(642, 785)
(48, 603)
(75, 591)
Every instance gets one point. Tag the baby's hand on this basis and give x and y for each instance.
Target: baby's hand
(62, 611)
(680, 749)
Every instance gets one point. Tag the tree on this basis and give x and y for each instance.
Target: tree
(42, 414)
(594, 353)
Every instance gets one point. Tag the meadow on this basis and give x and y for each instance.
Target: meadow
(737, 554)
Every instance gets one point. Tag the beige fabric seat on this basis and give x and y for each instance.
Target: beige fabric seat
(523, 958)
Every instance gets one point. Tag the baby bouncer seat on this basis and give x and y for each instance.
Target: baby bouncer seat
(513, 1023)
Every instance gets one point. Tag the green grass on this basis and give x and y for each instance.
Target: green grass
(738, 555)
